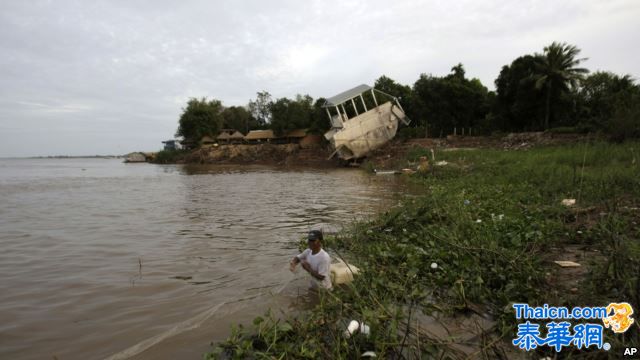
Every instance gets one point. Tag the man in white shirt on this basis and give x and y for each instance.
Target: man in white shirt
(315, 261)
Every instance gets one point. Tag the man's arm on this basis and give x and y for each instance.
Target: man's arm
(315, 274)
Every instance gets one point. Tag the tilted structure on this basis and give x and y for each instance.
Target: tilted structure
(368, 128)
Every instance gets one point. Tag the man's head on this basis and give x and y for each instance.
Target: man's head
(315, 239)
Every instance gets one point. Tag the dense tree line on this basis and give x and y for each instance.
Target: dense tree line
(535, 92)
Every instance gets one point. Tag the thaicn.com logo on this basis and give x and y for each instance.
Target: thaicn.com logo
(579, 327)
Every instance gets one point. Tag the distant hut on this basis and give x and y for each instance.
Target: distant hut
(236, 137)
(260, 136)
(223, 137)
(207, 140)
(294, 136)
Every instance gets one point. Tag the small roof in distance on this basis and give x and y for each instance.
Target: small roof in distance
(259, 135)
(347, 95)
(297, 133)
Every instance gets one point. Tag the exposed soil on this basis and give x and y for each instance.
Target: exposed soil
(268, 154)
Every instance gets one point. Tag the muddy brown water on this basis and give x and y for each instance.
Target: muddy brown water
(101, 259)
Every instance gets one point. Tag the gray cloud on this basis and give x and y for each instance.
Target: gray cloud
(111, 77)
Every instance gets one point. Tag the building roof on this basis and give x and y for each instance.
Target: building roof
(207, 139)
(236, 135)
(347, 95)
(296, 133)
(260, 135)
(223, 136)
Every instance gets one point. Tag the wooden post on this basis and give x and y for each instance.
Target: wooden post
(363, 104)
(346, 117)
(455, 131)
(354, 107)
(375, 101)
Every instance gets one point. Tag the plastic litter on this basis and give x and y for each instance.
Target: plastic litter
(369, 354)
(354, 326)
(569, 202)
(565, 263)
(442, 163)
(434, 265)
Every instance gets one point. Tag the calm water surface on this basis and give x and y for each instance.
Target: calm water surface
(101, 258)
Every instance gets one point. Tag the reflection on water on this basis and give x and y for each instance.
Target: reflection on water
(99, 255)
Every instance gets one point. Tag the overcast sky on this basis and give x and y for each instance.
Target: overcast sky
(111, 77)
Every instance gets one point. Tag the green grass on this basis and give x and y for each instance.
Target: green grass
(169, 156)
(488, 219)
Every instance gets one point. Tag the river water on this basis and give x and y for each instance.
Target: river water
(103, 259)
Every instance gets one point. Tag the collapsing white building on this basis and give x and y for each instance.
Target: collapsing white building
(355, 137)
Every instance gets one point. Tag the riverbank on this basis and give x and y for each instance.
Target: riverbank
(485, 234)
(390, 156)
(243, 154)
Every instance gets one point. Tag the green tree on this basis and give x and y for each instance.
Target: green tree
(518, 104)
(201, 117)
(442, 103)
(260, 108)
(289, 114)
(601, 91)
(238, 118)
(556, 72)
(320, 122)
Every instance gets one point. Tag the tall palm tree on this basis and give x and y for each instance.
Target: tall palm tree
(556, 70)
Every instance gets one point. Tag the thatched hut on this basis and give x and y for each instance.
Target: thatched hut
(236, 137)
(260, 136)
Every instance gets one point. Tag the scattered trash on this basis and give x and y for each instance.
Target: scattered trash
(370, 354)
(442, 163)
(478, 221)
(499, 217)
(364, 329)
(408, 171)
(434, 265)
(386, 172)
(467, 202)
(566, 263)
(354, 326)
(579, 232)
(569, 202)
(574, 290)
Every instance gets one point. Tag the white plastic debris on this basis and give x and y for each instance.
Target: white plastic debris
(434, 265)
(569, 202)
(369, 354)
(353, 326)
(478, 221)
(442, 163)
(364, 329)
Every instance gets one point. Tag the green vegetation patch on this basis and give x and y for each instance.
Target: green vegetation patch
(483, 236)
